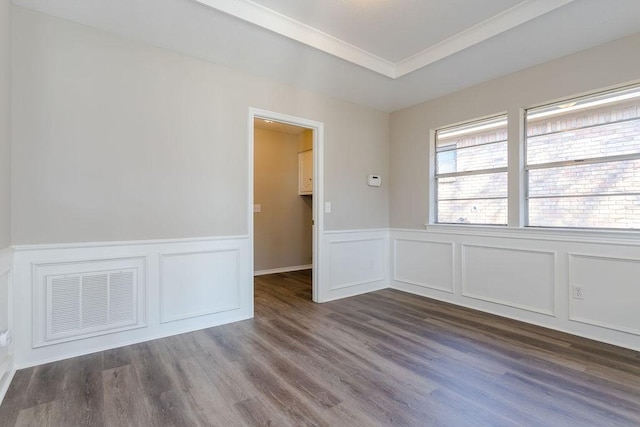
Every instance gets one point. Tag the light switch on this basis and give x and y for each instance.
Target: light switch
(327, 207)
(257, 208)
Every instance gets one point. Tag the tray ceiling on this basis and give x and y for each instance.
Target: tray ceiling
(386, 54)
(391, 37)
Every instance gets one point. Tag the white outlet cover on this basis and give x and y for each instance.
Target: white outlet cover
(578, 292)
(5, 338)
(257, 208)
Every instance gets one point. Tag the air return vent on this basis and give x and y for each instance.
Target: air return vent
(80, 299)
(81, 304)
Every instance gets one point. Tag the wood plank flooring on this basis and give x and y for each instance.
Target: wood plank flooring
(385, 358)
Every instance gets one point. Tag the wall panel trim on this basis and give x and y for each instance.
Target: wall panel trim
(572, 316)
(614, 237)
(367, 271)
(558, 252)
(464, 279)
(356, 231)
(212, 310)
(78, 245)
(28, 264)
(394, 269)
(359, 282)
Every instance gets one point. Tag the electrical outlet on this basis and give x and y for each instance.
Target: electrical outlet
(578, 292)
(5, 338)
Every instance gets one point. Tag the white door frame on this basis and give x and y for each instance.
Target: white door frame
(318, 185)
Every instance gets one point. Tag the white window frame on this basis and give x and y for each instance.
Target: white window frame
(453, 175)
(567, 163)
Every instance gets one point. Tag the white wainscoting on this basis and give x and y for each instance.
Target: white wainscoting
(6, 353)
(423, 263)
(611, 291)
(527, 276)
(182, 285)
(191, 284)
(200, 283)
(354, 262)
(514, 277)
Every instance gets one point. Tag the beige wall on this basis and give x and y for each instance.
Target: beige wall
(283, 230)
(305, 140)
(5, 162)
(116, 140)
(607, 65)
(5, 120)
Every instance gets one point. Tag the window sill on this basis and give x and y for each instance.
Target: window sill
(625, 237)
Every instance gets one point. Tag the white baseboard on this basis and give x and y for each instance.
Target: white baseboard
(7, 368)
(283, 270)
(6, 378)
(107, 346)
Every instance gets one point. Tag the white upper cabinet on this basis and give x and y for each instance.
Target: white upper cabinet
(305, 172)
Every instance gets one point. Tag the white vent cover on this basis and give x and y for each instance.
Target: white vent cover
(85, 303)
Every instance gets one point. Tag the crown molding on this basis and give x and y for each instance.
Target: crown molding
(504, 21)
(261, 16)
(303, 33)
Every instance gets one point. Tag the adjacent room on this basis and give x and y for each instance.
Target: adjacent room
(320, 212)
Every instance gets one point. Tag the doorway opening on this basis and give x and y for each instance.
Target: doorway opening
(285, 195)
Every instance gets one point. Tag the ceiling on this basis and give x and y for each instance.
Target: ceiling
(391, 30)
(385, 54)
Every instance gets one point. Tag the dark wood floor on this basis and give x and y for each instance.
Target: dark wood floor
(385, 358)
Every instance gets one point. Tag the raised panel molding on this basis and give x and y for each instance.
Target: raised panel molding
(356, 262)
(212, 274)
(515, 277)
(611, 291)
(536, 272)
(537, 265)
(424, 263)
(199, 283)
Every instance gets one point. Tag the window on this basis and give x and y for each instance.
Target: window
(471, 173)
(583, 162)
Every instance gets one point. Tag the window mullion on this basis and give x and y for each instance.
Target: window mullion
(583, 195)
(484, 144)
(471, 172)
(587, 161)
(516, 188)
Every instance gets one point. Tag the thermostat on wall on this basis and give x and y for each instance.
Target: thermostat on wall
(374, 180)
